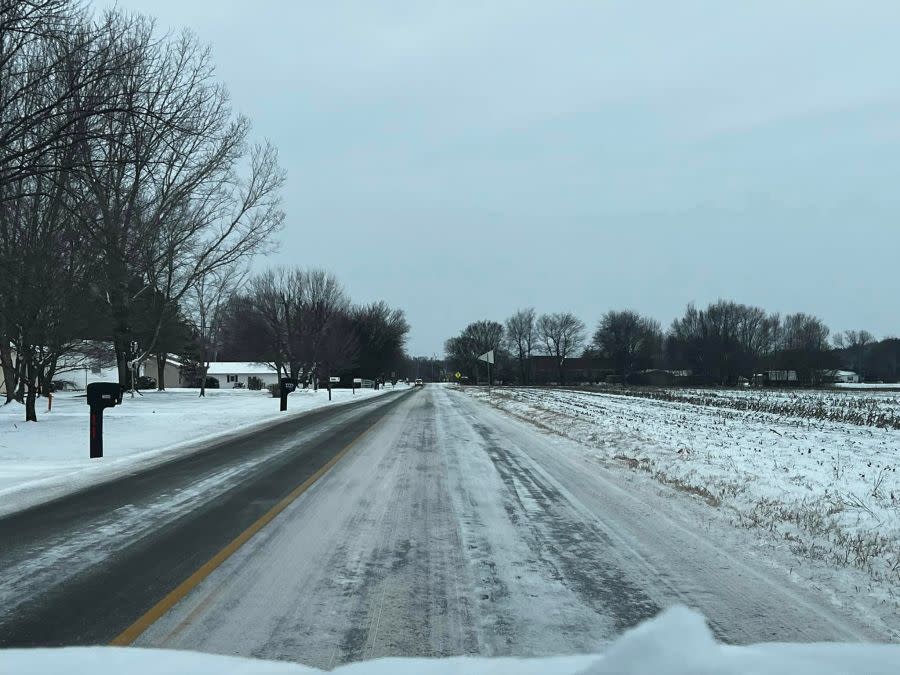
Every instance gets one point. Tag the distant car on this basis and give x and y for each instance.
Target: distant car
(419, 383)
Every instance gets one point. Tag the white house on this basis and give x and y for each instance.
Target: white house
(843, 376)
(237, 373)
(171, 371)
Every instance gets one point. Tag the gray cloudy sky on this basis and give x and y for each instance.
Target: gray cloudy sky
(463, 159)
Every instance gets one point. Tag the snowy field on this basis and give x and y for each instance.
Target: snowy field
(48, 458)
(678, 642)
(811, 471)
(864, 408)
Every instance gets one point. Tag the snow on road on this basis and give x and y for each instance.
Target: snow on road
(49, 458)
(827, 493)
(451, 529)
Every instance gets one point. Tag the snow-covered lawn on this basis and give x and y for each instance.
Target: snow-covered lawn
(829, 490)
(50, 457)
(677, 642)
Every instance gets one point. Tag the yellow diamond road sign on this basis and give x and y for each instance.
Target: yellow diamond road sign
(458, 374)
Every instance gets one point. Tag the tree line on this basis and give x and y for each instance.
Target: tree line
(126, 181)
(132, 198)
(303, 322)
(725, 343)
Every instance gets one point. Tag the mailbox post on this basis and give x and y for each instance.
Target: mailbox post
(332, 380)
(100, 396)
(287, 386)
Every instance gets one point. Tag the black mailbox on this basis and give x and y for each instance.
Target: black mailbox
(100, 395)
(103, 394)
(287, 386)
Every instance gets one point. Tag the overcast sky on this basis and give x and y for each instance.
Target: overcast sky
(463, 159)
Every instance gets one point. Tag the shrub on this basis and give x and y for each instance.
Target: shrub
(146, 382)
(254, 383)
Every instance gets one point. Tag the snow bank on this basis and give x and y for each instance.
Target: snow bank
(677, 642)
(43, 460)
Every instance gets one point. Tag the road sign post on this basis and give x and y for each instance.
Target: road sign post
(356, 381)
(488, 357)
(100, 396)
(332, 380)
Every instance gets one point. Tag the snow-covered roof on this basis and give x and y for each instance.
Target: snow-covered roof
(239, 368)
(170, 360)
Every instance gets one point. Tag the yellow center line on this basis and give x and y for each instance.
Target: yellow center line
(134, 631)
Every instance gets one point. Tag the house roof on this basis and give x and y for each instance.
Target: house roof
(239, 368)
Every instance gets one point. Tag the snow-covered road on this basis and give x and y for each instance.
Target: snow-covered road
(453, 529)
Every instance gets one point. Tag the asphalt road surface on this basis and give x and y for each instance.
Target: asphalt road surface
(446, 528)
(81, 569)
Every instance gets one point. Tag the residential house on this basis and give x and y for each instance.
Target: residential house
(171, 371)
(236, 374)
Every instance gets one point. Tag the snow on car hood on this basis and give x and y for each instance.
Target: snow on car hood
(677, 642)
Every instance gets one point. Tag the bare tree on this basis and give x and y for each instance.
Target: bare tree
(857, 344)
(476, 339)
(520, 336)
(36, 87)
(724, 341)
(562, 335)
(380, 339)
(205, 305)
(322, 301)
(298, 309)
(625, 337)
(124, 174)
(171, 190)
(805, 347)
(339, 348)
(275, 298)
(43, 265)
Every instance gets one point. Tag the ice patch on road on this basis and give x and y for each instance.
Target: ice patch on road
(677, 642)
